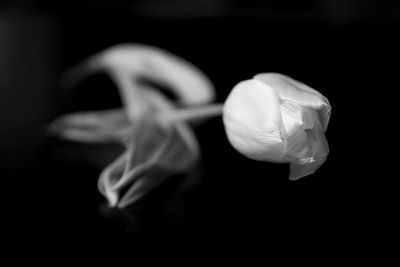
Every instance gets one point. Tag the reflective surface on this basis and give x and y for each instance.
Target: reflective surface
(242, 210)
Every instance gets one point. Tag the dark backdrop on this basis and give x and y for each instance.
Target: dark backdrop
(243, 210)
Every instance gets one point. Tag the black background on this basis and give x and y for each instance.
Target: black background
(243, 210)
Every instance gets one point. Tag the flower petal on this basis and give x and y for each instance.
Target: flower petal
(92, 127)
(298, 146)
(253, 122)
(319, 152)
(174, 158)
(136, 61)
(300, 170)
(319, 144)
(292, 116)
(109, 177)
(297, 92)
(115, 177)
(156, 153)
(153, 178)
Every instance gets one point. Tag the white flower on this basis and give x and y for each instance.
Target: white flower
(158, 141)
(275, 118)
(127, 64)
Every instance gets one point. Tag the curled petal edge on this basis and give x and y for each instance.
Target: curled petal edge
(309, 165)
(184, 79)
(146, 175)
(92, 127)
(298, 92)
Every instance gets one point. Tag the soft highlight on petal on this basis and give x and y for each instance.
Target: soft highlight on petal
(92, 127)
(290, 89)
(135, 61)
(292, 117)
(253, 122)
(298, 92)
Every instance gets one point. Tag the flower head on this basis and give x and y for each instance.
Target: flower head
(275, 118)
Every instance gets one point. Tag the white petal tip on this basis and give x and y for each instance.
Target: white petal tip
(303, 168)
(112, 199)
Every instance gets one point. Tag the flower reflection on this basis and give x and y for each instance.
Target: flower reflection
(158, 141)
(275, 118)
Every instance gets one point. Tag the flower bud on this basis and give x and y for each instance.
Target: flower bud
(275, 118)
